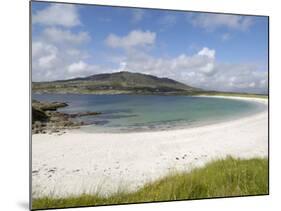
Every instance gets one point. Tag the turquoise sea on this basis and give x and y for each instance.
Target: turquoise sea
(125, 113)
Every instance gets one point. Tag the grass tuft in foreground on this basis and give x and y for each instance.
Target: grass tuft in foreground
(228, 177)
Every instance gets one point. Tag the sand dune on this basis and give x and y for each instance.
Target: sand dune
(78, 162)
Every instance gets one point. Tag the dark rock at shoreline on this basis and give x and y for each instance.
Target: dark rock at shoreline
(46, 118)
(48, 106)
(38, 115)
(83, 114)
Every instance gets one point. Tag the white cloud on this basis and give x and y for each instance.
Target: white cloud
(208, 68)
(210, 21)
(44, 58)
(239, 77)
(54, 62)
(135, 38)
(39, 49)
(82, 69)
(252, 84)
(199, 70)
(80, 66)
(122, 67)
(58, 52)
(50, 62)
(44, 55)
(57, 15)
(47, 61)
(76, 52)
(202, 63)
(207, 52)
(62, 36)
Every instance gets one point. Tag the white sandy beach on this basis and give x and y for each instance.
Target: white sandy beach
(79, 162)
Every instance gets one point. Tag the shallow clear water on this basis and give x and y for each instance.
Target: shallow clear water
(138, 113)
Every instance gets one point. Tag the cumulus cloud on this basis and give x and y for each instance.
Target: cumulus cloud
(65, 15)
(51, 62)
(207, 52)
(58, 52)
(239, 77)
(201, 63)
(80, 66)
(39, 49)
(44, 57)
(135, 38)
(199, 70)
(210, 21)
(62, 36)
(44, 54)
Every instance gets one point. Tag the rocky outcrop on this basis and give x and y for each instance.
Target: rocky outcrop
(38, 115)
(84, 114)
(48, 106)
(46, 118)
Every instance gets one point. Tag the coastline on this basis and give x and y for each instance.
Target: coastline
(104, 163)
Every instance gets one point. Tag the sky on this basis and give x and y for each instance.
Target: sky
(206, 50)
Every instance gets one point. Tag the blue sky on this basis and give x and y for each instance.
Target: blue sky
(211, 51)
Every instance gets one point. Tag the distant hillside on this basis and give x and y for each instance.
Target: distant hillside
(115, 83)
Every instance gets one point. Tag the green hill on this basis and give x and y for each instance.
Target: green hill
(115, 83)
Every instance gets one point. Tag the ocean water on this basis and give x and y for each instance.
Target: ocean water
(125, 113)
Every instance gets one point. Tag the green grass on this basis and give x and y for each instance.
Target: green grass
(221, 178)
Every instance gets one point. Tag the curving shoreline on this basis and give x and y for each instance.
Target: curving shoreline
(77, 162)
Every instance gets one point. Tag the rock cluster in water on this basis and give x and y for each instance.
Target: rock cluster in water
(46, 118)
